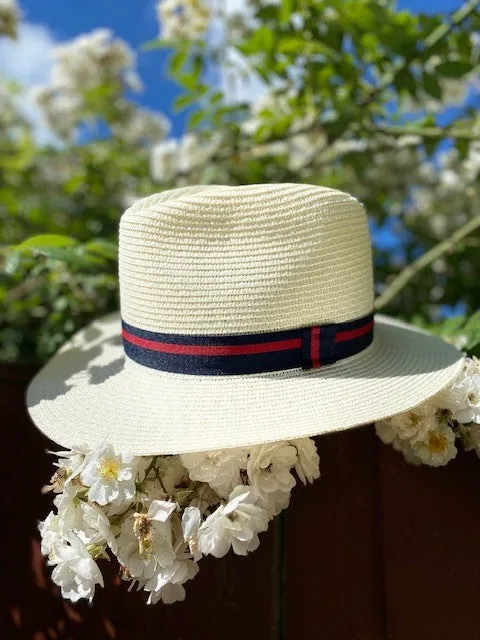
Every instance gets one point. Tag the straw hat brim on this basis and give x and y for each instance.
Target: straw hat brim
(89, 393)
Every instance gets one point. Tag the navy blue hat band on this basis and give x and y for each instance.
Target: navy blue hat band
(307, 348)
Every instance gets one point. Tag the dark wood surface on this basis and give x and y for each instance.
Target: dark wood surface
(375, 550)
(333, 545)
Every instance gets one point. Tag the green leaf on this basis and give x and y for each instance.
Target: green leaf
(453, 68)
(47, 241)
(102, 248)
(432, 86)
(262, 40)
(189, 81)
(215, 97)
(298, 45)
(183, 101)
(164, 43)
(286, 8)
(472, 331)
(197, 66)
(451, 325)
(178, 60)
(405, 81)
(195, 119)
(160, 43)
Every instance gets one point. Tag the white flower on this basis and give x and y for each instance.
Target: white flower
(61, 112)
(434, 447)
(76, 573)
(139, 125)
(72, 461)
(9, 18)
(385, 431)
(91, 64)
(274, 502)
(183, 19)
(235, 525)
(307, 465)
(167, 584)
(437, 447)
(69, 508)
(93, 60)
(220, 469)
(87, 521)
(172, 158)
(164, 160)
(471, 437)
(194, 151)
(145, 541)
(110, 476)
(96, 528)
(462, 398)
(160, 510)
(414, 424)
(50, 533)
(191, 522)
(269, 465)
(304, 148)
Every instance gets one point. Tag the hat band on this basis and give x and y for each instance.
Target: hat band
(306, 348)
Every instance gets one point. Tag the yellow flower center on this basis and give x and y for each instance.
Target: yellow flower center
(109, 469)
(142, 528)
(472, 397)
(414, 419)
(437, 443)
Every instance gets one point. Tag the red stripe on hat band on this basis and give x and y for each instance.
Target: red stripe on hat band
(315, 347)
(342, 336)
(212, 350)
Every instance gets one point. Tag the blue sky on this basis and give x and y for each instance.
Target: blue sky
(135, 22)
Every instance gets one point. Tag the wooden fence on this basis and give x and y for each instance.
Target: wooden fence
(375, 550)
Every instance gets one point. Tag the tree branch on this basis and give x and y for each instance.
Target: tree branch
(423, 261)
(425, 132)
(436, 36)
(461, 14)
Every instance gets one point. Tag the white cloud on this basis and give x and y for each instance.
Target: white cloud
(28, 61)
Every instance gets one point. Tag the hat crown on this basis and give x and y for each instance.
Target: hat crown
(225, 260)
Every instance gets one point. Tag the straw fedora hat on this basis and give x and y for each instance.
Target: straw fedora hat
(246, 317)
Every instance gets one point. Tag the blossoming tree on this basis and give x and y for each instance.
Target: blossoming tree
(348, 93)
(353, 94)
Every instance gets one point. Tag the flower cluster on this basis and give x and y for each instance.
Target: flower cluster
(159, 515)
(9, 18)
(183, 19)
(428, 433)
(177, 157)
(135, 125)
(88, 79)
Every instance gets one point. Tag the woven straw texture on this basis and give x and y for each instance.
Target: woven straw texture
(220, 260)
(226, 260)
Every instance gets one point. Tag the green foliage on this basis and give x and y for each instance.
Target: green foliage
(463, 332)
(360, 84)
